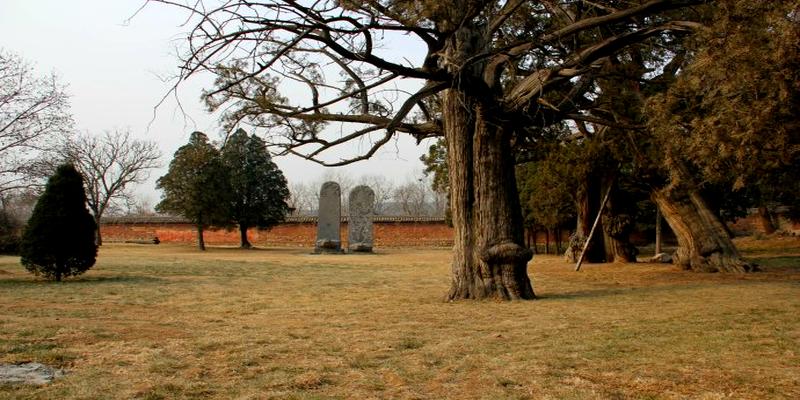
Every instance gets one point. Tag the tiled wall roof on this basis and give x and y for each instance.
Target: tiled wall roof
(171, 219)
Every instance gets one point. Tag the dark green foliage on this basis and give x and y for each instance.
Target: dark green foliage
(258, 189)
(59, 240)
(731, 115)
(546, 195)
(436, 164)
(196, 185)
(732, 112)
(9, 234)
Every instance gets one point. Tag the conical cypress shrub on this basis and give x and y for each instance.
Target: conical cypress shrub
(58, 241)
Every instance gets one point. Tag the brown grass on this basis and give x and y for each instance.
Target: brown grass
(164, 322)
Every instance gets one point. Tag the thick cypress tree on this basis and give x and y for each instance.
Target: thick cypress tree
(259, 191)
(59, 240)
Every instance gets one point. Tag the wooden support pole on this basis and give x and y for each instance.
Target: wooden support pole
(594, 226)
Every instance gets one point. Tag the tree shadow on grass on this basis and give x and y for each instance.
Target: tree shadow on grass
(80, 281)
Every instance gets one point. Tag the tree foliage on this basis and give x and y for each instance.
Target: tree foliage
(733, 111)
(58, 241)
(545, 197)
(258, 190)
(196, 185)
(435, 162)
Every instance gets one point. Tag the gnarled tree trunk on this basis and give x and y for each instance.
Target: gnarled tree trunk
(617, 227)
(587, 206)
(703, 243)
(490, 259)
(489, 256)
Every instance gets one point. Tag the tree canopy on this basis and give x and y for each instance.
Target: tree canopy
(58, 241)
(259, 191)
(196, 185)
(732, 111)
(531, 54)
(110, 164)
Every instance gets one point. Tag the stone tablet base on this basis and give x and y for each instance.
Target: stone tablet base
(328, 247)
(359, 248)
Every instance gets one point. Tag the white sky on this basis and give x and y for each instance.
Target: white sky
(114, 75)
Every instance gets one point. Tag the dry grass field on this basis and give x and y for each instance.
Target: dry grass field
(170, 322)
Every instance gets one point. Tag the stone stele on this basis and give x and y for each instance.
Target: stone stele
(359, 225)
(329, 239)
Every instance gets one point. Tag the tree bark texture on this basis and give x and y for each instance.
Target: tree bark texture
(245, 243)
(617, 227)
(587, 206)
(489, 256)
(703, 243)
(490, 259)
(765, 220)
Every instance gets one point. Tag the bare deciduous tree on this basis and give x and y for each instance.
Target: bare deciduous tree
(140, 206)
(302, 198)
(415, 197)
(34, 115)
(383, 189)
(110, 164)
(345, 181)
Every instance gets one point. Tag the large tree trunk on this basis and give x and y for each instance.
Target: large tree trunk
(587, 206)
(617, 227)
(490, 259)
(703, 243)
(489, 256)
(765, 220)
(245, 244)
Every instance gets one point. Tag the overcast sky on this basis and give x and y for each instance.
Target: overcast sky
(115, 70)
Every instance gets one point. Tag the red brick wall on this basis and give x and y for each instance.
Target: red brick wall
(387, 234)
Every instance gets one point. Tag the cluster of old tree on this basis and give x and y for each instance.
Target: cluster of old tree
(663, 97)
(237, 185)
